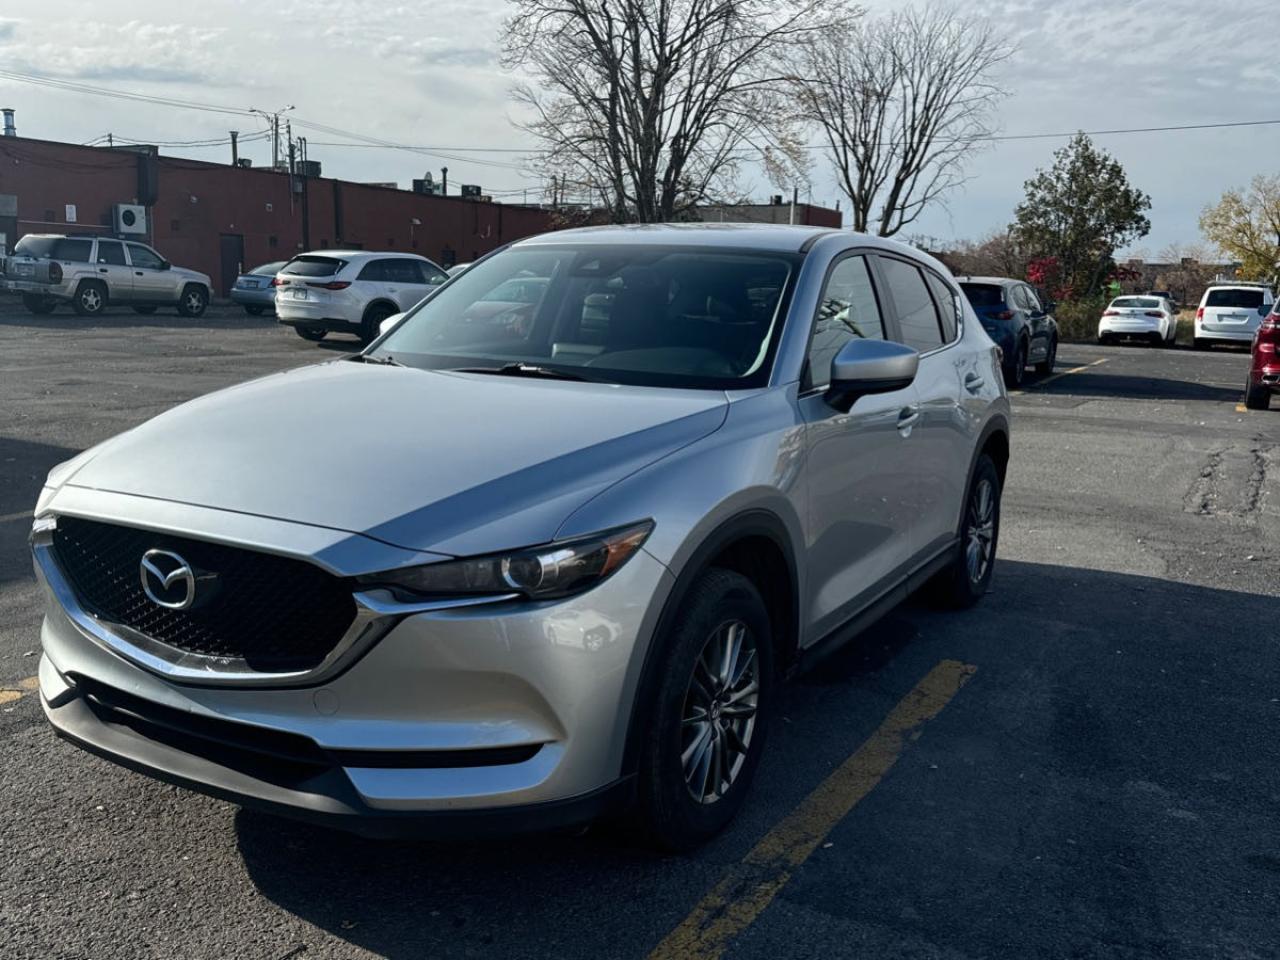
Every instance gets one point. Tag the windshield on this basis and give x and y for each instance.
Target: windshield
(638, 314)
(1249, 299)
(1134, 302)
(268, 269)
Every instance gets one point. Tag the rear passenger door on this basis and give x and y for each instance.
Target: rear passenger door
(861, 468)
(406, 282)
(114, 271)
(1038, 322)
(928, 319)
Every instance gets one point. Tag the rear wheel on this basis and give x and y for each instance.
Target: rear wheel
(964, 582)
(90, 299)
(252, 310)
(193, 301)
(1015, 371)
(1045, 366)
(37, 304)
(1199, 343)
(710, 712)
(146, 311)
(314, 334)
(373, 318)
(1257, 396)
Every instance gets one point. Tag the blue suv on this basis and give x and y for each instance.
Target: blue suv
(1019, 320)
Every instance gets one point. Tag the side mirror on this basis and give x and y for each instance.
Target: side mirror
(1264, 309)
(1049, 306)
(389, 324)
(864, 367)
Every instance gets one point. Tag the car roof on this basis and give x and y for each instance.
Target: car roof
(1003, 281)
(358, 254)
(739, 236)
(1239, 286)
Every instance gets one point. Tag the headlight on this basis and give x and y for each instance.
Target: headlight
(539, 573)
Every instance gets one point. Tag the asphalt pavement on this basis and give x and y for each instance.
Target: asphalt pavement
(1085, 765)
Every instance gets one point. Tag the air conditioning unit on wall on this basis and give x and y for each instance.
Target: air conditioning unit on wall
(129, 218)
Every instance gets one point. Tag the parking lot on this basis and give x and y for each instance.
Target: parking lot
(1082, 766)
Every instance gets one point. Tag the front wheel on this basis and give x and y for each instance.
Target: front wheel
(967, 579)
(194, 300)
(38, 305)
(1257, 396)
(710, 712)
(314, 334)
(1045, 366)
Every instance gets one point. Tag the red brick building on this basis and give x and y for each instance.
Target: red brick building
(217, 218)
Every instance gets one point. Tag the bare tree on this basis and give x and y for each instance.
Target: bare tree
(902, 102)
(653, 105)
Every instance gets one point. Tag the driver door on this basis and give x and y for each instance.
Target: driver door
(151, 283)
(862, 477)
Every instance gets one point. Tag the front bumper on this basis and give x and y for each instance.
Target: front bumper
(512, 715)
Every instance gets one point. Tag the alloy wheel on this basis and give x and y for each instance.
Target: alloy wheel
(980, 530)
(194, 302)
(90, 299)
(718, 717)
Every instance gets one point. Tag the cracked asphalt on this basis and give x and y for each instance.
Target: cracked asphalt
(1103, 784)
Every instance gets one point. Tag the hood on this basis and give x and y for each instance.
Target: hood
(447, 462)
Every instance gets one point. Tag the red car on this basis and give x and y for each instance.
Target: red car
(1264, 366)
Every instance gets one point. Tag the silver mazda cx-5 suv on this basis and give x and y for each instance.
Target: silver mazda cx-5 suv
(545, 549)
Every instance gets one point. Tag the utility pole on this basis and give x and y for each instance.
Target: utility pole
(288, 134)
(444, 181)
(235, 150)
(306, 204)
(275, 140)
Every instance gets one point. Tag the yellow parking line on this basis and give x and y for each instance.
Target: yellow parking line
(1063, 373)
(750, 885)
(24, 686)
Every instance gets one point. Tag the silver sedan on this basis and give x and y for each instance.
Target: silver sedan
(253, 290)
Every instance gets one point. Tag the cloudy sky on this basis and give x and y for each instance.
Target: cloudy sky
(428, 74)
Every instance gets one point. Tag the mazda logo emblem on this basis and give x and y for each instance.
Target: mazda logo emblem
(168, 580)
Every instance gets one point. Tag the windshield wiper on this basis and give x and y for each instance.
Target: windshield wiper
(380, 361)
(525, 370)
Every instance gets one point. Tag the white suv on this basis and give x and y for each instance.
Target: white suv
(350, 291)
(1232, 313)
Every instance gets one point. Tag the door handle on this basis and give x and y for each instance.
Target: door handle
(103, 270)
(137, 273)
(908, 417)
(974, 382)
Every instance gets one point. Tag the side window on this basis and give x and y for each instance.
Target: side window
(111, 251)
(948, 305)
(144, 257)
(1033, 301)
(431, 273)
(74, 251)
(847, 311)
(407, 271)
(375, 270)
(917, 316)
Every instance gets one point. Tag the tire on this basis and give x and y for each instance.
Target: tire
(1015, 371)
(145, 311)
(194, 301)
(1106, 339)
(254, 311)
(684, 802)
(90, 298)
(314, 334)
(960, 585)
(1257, 396)
(373, 318)
(1045, 366)
(40, 306)
(1199, 343)
(1157, 340)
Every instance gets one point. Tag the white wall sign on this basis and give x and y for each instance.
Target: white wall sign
(71, 213)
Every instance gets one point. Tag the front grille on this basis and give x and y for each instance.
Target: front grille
(277, 614)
